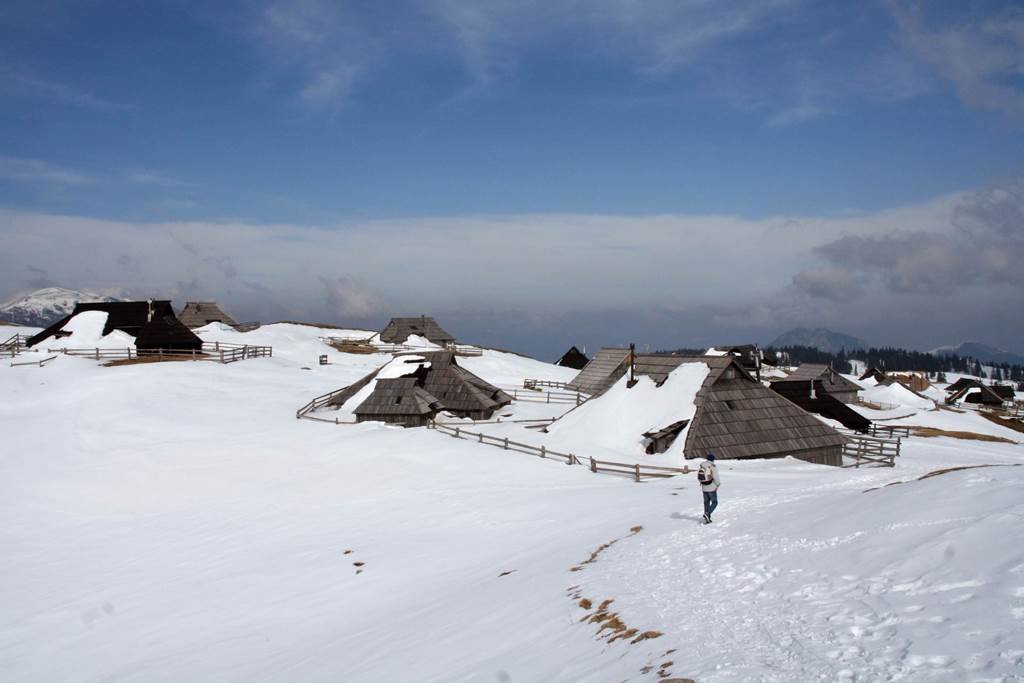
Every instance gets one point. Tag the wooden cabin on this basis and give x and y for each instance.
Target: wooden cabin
(434, 383)
(604, 369)
(573, 358)
(399, 330)
(833, 383)
(200, 313)
(152, 323)
(738, 417)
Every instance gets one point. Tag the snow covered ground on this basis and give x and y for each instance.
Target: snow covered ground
(174, 521)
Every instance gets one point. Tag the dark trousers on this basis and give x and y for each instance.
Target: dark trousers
(710, 502)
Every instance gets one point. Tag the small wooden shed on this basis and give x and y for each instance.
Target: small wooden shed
(435, 383)
(831, 381)
(602, 371)
(573, 358)
(399, 329)
(199, 313)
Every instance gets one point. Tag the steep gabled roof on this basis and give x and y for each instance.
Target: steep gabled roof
(738, 417)
(436, 383)
(128, 316)
(607, 366)
(399, 329)
(573, 358)
(199, 313)
(831, 380)
(167, 333)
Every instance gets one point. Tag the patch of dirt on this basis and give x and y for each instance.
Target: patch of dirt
(945, 470)
(142, 360)
(633, 531)
(968, 436)
(1014, 424)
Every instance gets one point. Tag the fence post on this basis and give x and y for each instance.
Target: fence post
(481, 437)
(506, 443)
(636, 468)
(457, 433)
(221, 356)
(899, 442)
(543, 454)
(593, 464)
(549, 397)
(514, 396)
(578, 400)
(97, 354)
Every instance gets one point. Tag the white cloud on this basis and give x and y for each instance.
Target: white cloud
(60, 92)
(15, 169)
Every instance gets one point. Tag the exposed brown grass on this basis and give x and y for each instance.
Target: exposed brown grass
(633, 531)
(142, 360)
(586, 604)
(1015, 425)
(506, 573)
(945, 470)
(967, 436)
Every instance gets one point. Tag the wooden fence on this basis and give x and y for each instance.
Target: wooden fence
(33, 362)
(319, 402)
(216, 351)
(14, 344)
(537, 396)
(880, 431)
(869, 450)
(634, 470)
(534, 383)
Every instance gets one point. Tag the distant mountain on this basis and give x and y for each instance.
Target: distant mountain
(821, 339)
(44, 307)
(980, 352)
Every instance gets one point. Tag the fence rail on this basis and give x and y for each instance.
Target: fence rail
(216, 351)
(33, 362)
(534, 383)
(634, 470)
(538, 396)
(869, 450)
(14, 344)
(880, 431)
(318, 402)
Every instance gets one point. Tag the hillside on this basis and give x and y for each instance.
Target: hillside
(176, 520)
(44, 307)
(981, 352)
(820, 338)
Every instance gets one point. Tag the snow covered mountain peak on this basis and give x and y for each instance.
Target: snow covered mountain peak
(45, 306)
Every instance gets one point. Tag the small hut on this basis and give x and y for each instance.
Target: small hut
(602, 371)
(915, 381)
(399, 329)
(199, 313)
(812, 396)
(738, 417)
(873, 373)
(980, 394)
(963, 383)
(432, 383)
(573, 358)
(831, 381)
(128, 316)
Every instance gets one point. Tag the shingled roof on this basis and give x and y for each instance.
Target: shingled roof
(199, 313)
(738, 417)
(399, 329)
(607, 366)
(832, 381)
(435, 383)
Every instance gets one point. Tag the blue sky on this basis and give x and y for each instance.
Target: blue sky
(342, 119)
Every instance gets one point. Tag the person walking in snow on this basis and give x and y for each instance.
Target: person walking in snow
(707, 476)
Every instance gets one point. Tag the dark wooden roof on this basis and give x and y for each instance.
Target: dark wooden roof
(738, 417)
(823, 403)
(573, 358)
(831, 380)
(199, 313)
(603, 370)
(127, 316)
(399, 329)
(167, 333)
(963, 383)
(987, 395)
(443, 385)
(873, 372)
